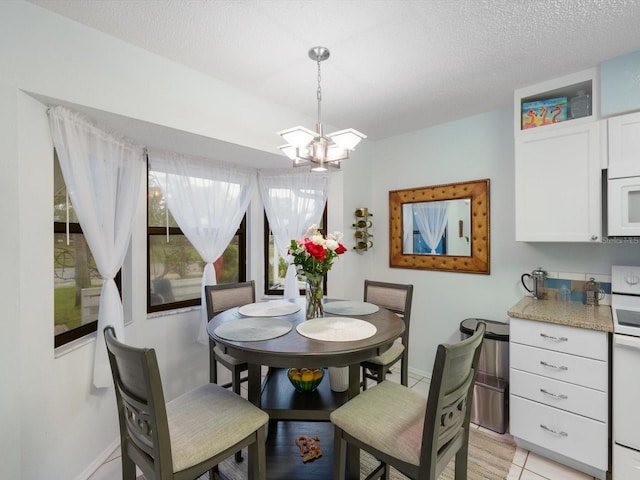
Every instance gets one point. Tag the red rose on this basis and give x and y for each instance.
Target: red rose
(316, 251)
(341, 249)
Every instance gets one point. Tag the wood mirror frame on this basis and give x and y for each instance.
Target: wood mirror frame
(478, 262)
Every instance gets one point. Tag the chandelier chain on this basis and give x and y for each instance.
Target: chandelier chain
(319, 94)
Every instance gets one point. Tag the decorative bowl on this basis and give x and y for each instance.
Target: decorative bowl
(305, 379)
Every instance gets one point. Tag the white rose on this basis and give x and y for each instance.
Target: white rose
(331, 244)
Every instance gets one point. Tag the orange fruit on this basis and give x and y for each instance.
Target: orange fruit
(307, 375)
(317, 374)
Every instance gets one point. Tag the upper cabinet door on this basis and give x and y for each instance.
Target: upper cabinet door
(624, 146)
(558, 184)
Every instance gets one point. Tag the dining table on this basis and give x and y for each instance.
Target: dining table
(277, 334)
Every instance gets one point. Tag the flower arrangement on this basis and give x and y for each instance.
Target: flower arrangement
(313, 257)
(314, 254)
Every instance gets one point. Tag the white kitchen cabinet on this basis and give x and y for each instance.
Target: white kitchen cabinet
(558, 166)
(624, 145)
(559, 393)
(558, 184)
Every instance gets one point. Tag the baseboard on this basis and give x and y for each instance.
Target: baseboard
(102, 458)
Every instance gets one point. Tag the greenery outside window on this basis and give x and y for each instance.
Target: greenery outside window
(174, 267)
(76, 281)
(275, 267)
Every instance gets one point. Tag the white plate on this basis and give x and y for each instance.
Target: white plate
(336, 329)
(272, 308)
(349, 307)
(251, 329)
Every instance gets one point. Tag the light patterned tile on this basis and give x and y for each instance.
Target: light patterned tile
(552, 470)
(514, 472)
(527, 475)
(520, 457)
(422, 387)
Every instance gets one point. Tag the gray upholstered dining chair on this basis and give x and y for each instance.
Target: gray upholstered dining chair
(188, 436)
(220, 298)
(402, 429)
(397, 298)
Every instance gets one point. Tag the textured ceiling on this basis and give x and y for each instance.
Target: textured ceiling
(395, 66)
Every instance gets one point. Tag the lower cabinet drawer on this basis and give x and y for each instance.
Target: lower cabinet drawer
(566, 396)
(571, 435)
(560, 366)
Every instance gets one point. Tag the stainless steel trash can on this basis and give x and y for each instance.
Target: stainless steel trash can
(490, 407)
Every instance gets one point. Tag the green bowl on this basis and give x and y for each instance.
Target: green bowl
(305, 385)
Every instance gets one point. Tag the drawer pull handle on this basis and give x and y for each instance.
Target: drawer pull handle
(555, 367)
(561, 396)
(551, 337)
(555, 432)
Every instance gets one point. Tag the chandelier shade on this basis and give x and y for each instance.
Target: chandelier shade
(306, 147)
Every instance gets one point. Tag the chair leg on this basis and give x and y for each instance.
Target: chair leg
(235, 385)
(364, 378)
(381, 374)
(339, 454)
(404, 371)
(461, 461)
(128, 468)
(213, 364)
(257, 456)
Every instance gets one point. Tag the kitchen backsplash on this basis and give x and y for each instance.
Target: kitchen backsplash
(576, 283)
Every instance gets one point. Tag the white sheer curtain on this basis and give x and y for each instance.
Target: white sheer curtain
(293, 202)
(431, 220)
(103, 174)
(208, 199)
(407, 228)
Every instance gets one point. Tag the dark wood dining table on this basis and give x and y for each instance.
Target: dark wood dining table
(276, 395)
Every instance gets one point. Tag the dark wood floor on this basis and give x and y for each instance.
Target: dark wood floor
(283, 456)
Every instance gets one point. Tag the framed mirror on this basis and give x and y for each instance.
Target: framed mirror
(442, 227)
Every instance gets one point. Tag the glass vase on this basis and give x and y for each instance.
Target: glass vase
(314, 296)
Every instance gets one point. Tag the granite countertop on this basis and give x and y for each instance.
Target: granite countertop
(572, 314)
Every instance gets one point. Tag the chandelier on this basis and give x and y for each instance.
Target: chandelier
(306, 147)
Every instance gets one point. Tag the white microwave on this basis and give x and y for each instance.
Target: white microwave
(623, 207)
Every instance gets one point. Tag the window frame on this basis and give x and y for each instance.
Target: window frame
(265, 239)
(241, 233)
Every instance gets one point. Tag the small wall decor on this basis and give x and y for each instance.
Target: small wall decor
(362, 226)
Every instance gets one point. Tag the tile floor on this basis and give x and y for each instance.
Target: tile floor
(526, 465)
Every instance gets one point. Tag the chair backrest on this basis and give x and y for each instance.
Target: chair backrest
(223, 297)
(144, 429)
(392, 296)
(446, 423)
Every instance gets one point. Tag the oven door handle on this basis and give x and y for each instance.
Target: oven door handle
(626, 341)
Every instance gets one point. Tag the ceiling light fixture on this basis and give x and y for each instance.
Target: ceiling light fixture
(306, 147)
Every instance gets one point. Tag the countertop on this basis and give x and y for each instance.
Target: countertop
(572, 314)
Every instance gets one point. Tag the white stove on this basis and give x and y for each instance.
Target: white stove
(625, 308)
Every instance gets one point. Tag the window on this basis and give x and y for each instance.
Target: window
(275, 267)
(76, 281)
(174, 267)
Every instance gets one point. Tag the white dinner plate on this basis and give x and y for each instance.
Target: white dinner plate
(350, 307)
(336, 329)
(272, 308)
(251, 329)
